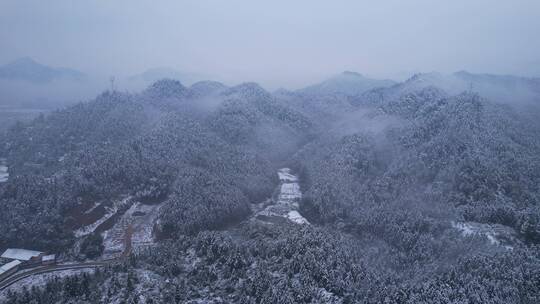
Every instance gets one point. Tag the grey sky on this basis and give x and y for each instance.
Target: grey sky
(277, 43)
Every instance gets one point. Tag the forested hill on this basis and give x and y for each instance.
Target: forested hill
(124, 144)
(414, 194)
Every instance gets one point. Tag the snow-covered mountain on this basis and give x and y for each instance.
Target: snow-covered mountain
(167, 88)
(346, 83)
(27, 83)
(499, 88)
(207, 88)
(185, 178)
(154, 74)
(504, 88)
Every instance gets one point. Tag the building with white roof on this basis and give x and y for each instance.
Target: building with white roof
(21, 254)
(9, 268)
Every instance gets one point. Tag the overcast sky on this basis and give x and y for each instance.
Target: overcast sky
(276, 43)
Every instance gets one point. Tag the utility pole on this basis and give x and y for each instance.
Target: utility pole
(112, 83)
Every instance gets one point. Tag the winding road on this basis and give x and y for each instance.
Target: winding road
(52, 268)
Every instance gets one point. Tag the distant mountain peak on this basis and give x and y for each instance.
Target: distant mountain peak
(351, 73)
(27, 69)
(208, 83)
(167, 88)
(155, 74)
(247, 87)
(247, 90)
(347, 83)
(25, 60)
(462, 72)
(430, 76)
(207, 87)
(500, 88)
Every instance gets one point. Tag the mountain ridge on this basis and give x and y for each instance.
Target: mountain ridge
(29, 70)
(347, 83)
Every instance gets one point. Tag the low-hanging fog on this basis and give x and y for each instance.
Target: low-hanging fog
(280, 152)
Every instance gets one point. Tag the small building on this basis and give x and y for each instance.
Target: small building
(48, 259)
(8, 269)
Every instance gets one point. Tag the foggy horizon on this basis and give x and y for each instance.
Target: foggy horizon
(276, 45)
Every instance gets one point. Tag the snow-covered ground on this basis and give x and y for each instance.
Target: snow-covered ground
(498, 235)
(135, 228)
(285, 175)
(137, 223)
(86, 230)
(4, 174)
(143, 225)
(286, 206)
(290, 192)
(39, 280)
(296, 217)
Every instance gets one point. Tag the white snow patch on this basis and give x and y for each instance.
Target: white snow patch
(142, 219)
(296, 217)
(464, 228)
(289, 192)
(287, 203)
(286, 176)
(143, 225)
(86, 230)
(96, 204)
(496, 234)
(4, 174)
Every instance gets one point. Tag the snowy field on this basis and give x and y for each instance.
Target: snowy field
(86, 230)
(290, 192)
(296, 217)
(498, 235)
(286, 206)
(143, 225)
(286, 176)
(4, 175)
(135, 227)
